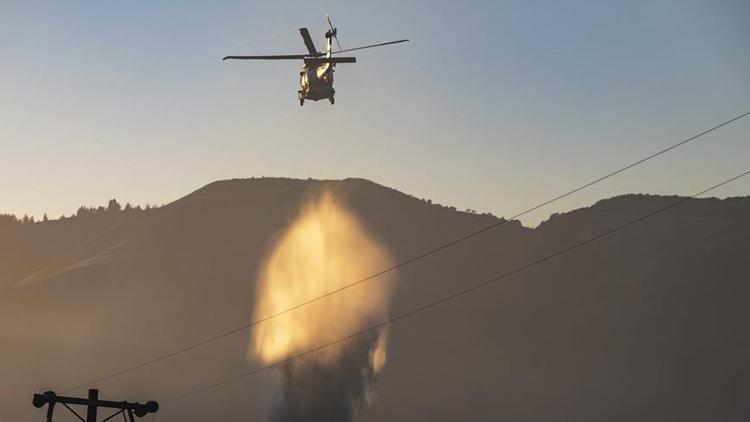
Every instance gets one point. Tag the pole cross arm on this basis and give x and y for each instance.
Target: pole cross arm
(93, 403)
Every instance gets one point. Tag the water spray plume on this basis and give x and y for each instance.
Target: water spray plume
(323, 248)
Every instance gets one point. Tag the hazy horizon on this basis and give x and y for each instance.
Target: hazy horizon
(540, 216)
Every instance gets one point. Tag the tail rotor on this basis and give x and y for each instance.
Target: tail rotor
(333, 31)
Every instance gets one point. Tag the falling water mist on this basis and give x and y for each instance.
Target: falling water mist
(324, 249)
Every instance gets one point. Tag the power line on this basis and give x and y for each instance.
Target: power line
(43, 269)
(459, 293)
(410, 260)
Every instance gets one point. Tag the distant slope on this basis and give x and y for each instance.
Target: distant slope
(645, 325)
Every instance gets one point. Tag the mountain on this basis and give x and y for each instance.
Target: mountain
(646, 324)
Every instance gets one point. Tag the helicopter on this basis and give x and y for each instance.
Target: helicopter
(316, 77)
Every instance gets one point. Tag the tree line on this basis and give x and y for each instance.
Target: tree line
(11, 221)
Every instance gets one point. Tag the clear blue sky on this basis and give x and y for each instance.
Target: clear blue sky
(493, 106)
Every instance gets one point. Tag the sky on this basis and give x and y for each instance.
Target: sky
(493, 105)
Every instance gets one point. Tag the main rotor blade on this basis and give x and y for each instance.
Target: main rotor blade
(281, 57)
(369, 46)
(308, 41)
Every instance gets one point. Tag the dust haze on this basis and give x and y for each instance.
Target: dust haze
(590, 335)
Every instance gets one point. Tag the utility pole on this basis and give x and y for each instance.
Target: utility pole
(93, 404)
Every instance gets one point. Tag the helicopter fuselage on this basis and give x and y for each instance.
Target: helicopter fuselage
(316, 77)
(316, 82)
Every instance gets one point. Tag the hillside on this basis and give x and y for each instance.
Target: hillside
(643, 325)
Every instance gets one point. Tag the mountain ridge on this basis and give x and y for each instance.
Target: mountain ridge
(606, 330)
